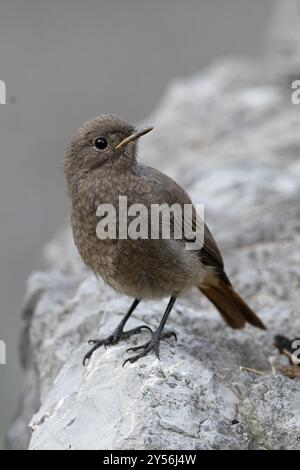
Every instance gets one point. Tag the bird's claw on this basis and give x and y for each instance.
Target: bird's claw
(169, 334)
(152, 345)
(114, 338)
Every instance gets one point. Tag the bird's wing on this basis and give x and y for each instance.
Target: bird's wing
(165, 190)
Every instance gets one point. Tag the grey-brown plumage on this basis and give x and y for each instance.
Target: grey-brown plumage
(100, 166)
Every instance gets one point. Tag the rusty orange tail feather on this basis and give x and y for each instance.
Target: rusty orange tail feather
(231, 306)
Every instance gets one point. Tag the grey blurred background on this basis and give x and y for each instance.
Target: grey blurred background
(63, 62)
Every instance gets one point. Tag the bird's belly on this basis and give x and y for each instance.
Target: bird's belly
(152, 269)
(145, 269)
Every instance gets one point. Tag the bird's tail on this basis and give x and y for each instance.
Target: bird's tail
(231, 306)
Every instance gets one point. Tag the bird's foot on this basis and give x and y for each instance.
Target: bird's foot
(114, 338)
(152, 345)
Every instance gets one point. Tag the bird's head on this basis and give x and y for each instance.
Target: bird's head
(105, 141)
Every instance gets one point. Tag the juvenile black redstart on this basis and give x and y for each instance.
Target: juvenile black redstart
(100, 166)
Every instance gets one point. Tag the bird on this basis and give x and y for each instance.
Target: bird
(101, 165)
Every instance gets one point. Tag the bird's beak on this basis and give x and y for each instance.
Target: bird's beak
(134, 136)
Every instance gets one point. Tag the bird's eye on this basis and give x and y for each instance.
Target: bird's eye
(100, 143)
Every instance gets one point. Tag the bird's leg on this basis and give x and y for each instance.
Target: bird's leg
(117, 334)
(157, 336)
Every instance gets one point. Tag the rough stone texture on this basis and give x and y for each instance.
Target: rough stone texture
(231, 137)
